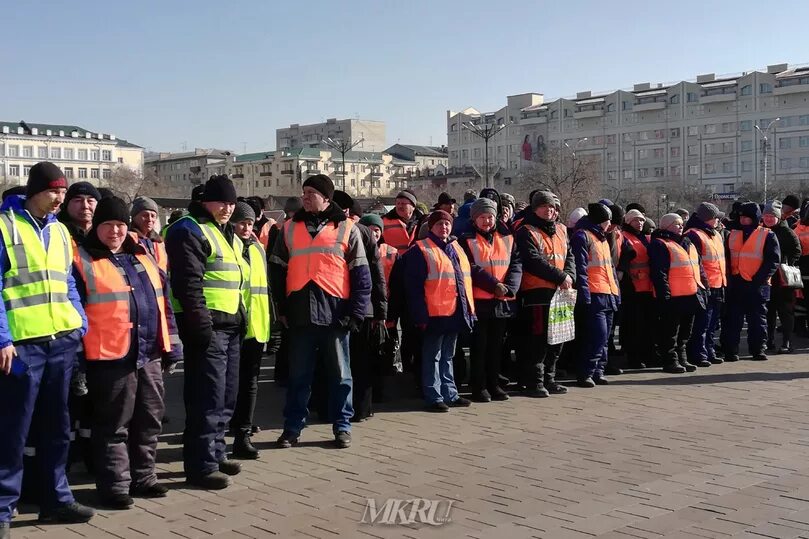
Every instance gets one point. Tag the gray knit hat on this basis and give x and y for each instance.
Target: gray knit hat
(143, 203)
(773, 208)
(481, 206)
(542, 197)
(408, 196)
(707, 211)
(241, 212)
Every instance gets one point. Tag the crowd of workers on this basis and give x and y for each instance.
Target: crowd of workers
(99, 304)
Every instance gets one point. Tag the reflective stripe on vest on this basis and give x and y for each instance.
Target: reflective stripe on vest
(256, 294)
(388, 254)
(395, 233)
(222, 280)
(158, 251)
(600, 270)
(639, 266)
(803, 234)
(440, 288)
(746, 257)
(684, 278)
(713, 258)
(321, 259)
(35, 291)
(494, 258)
(555, 248)
(109, 326)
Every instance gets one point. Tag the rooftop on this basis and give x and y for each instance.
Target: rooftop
(423, 151)
(198, 152)
(257, 156)
(23, 128)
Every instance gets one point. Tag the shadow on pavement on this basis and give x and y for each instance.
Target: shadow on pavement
(692, 378)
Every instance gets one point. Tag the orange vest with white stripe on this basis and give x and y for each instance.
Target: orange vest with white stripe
(109, 327)
(639, 266)
(388, 255)
(684, 277)
(440, 288)
(713, 258)
(264, 233)
(494, 258)
(746, 257)
(554, 248)
(600, 270)
(395, 233)
(159, 253)
(321, 260)
(802, 231)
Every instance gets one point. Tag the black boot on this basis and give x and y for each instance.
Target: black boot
(498, 394)
(674, 368)
(536, 392)
(243, 448)
(553, 387)
(481, 395)
(68, 513)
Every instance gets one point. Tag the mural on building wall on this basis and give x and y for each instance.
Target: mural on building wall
(541, 149)
(527, 150)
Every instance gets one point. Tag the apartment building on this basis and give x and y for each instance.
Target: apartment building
(700, 133)
(371, 132)
(81, 154)
(427, 165)
(183, 170)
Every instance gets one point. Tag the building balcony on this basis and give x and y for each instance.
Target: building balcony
(534, 120)
(376, 174)
(588, 114)
(288, 172)
(645, 107)
(312, 171)
(265, 173)
(719, 98)
(793, 89)
(238, 176)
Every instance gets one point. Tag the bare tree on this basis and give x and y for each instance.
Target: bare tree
(574, 180)
(129, 184)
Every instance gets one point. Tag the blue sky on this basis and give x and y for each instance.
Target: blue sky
(227, 74)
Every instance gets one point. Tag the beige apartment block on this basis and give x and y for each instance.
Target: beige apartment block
(183, 170)
(81, 154)
(312, 136)
(701, 133)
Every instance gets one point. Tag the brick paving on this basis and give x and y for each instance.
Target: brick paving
(720, 453)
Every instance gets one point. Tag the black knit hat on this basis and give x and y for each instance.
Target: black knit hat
(82, 189)
(342, 199)
(220, 189)
(636, 206)
(111, 209)
(791, 201)
(44, 176)
(617, 214)
(444, 199)
(106, 192)
(197, 192)
(598, 213)
(322, 184)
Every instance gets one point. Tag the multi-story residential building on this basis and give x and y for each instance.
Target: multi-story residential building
(81, 154)
(692, 133)
(431, 163)
(184, 170)
(312, 136)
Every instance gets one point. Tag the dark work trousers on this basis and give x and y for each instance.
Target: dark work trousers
(128, 405)
(745, 301)
(249, 370)
(510, 342)
(597, 322)
(782, 305)
(210, 389)
(412, 339)
(37, 401)
(364, 346)
(486, 353)
(538, 358)
(459, 366)
(81, 418)
(638, 328)
(281, 374)
(673, 332)
(701, 344)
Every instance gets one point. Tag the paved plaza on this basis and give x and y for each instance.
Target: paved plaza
(720, 453)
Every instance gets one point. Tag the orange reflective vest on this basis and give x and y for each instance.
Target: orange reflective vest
(388, 256)
(264, 233)
(639, 266)
(440, 288)
(555, 248)
(684, 277)
(109, 325)
(494, 258)
(713, 258)
(803, 234)
(159, 253)
(746, 256)
(395, 233)
(321, 259)
(600, 270)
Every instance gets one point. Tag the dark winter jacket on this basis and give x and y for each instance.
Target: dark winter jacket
(659, 265)
(145, 343)
(628, 254)
(378, 307)
(188, 250)
(78, 234)
(494, 308)
(311, 305)
(580, 246)
(415, 274)
(463, 223)
(148, 241)
(789, 245)
(769, 264)
(534, 262)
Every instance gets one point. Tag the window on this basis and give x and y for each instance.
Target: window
(627, 174)
(747, 90)
(693, 149)
(747, 145)
(611, 139)
(765, 88)
(803, 142)
(610, 107)
(14, 170)
(785, 143)
(94, 155)
(643, 135)
(710, 129)
(107, 174)
(727, 147)
(13, 151)
(82, 173)
(659, 134)
(567, 113)
(675, 133)
(454, 154)
(675, 170)
(804, 162)
(106, 155)
(42, 152)
(626, 105)
(803, 119)
(691, 97)
(613, 175)
(659, 172)
(627, 137)
(627, 156)
(121, 160)
(674, 99)
(728, 127)
(746, 125)
(26, 170)
(643, 173)
(610, 157)
(710, 168)
(68, 172)
(693, 131)
(499, 150)
(67, 153)
(465, 154)
(747, 166)
(94, 173)
(786, 163)
(693, 170)
(83, 156)
(475, 152)
(675, 151)
(56, 153)
(28, 151)
(643, 154)
(554, 114)
(658, 153)
(727, 168)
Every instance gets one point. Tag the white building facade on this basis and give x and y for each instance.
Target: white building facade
(371, 132)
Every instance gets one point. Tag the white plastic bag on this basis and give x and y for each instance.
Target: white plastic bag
(561, 324)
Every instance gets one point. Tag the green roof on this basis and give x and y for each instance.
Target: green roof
(56, 128)
(257, 156)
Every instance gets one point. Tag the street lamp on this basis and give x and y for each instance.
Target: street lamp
(573, 153)
(485, 131)
(765, 133)
(342, 146)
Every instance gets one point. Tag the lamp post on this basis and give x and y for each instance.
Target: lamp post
(486, 132)
(662, 198)
(573, 151)
(765, 133)
(343, 147)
